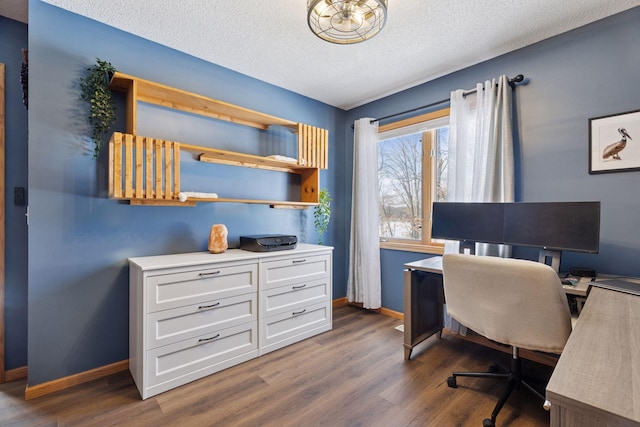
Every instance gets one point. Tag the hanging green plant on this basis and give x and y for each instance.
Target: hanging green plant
(94, 88)
(322, 213)
(24, 78)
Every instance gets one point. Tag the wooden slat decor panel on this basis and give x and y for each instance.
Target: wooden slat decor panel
(312, 146)
(115, 166)
(304, 136)
(149, 168)
(143, 168)
(300, 145)
(176, 168)
(322, 148)
(128, 166)
(139, 169)
(167, 150)
(158, 162)
(308, 154)
(111, 164)
(325, 150)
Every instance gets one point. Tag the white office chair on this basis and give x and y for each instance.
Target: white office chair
(514, 302)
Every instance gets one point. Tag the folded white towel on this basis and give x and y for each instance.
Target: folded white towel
(282, 158)
(184, 195)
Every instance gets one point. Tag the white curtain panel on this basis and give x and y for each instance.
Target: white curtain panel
(481, 144)
(364, 283)
(481, 154)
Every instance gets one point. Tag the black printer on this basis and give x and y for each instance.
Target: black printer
(268, 242)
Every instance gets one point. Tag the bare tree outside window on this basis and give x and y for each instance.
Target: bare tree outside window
(400, 178)
(412, 168)
(442, 162)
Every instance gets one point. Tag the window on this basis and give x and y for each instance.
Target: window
(412, 161)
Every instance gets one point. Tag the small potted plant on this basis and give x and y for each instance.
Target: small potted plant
(94, 88)
(322, 213)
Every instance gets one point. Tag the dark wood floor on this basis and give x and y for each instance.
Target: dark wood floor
(354, 375)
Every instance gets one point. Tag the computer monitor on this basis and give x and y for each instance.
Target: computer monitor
(551, 226)
(563, 226)
(470, 222)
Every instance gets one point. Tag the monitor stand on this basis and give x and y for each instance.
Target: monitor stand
(551, 258)
(467, 247)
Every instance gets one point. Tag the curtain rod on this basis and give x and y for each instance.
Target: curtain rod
(512, 82)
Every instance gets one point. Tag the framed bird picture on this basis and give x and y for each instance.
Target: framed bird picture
(614, 143)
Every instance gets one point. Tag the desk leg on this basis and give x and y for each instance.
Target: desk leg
(423, 307)
(407, 352)
(408, 345)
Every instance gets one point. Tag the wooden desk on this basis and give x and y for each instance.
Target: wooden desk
(597, 379)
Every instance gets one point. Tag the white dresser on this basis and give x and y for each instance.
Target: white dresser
(194, 314)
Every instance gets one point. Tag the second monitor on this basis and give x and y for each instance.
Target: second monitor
(551, 226)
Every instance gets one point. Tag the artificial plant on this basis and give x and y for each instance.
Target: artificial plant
(322, 213)
(94, 88)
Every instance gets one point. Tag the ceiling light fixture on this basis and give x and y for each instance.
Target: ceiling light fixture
(346, 21)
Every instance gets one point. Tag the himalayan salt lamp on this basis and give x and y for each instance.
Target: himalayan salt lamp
(218, 239)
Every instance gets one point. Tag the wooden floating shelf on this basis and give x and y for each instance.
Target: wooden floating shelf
(146, 171)
(177, 99)
(214, 155)
(279, 204)
(276, 204)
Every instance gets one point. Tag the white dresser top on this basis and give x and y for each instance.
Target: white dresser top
(195, 258)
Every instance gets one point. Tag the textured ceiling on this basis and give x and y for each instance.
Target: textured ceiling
(270, 40)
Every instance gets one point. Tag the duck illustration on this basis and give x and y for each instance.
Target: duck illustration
(613, 150)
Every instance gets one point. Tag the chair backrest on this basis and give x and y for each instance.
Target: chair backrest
(511, 301)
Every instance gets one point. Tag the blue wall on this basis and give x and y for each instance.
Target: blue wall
(80, 240)
(589, 72)
(13, 38)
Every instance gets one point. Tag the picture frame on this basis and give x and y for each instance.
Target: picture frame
(614, 143)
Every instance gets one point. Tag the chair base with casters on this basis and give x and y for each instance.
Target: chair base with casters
(514, 379)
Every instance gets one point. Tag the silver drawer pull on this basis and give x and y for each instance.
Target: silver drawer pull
(299, 261)
(299, 286)
(204, 307)
(213, 273)
(209, 339)
(297, 313)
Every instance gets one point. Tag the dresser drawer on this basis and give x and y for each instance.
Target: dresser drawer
(294, 325)
(203, 353)
(294, 270)
(289, 297)
(203, 284)
(177, 324)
